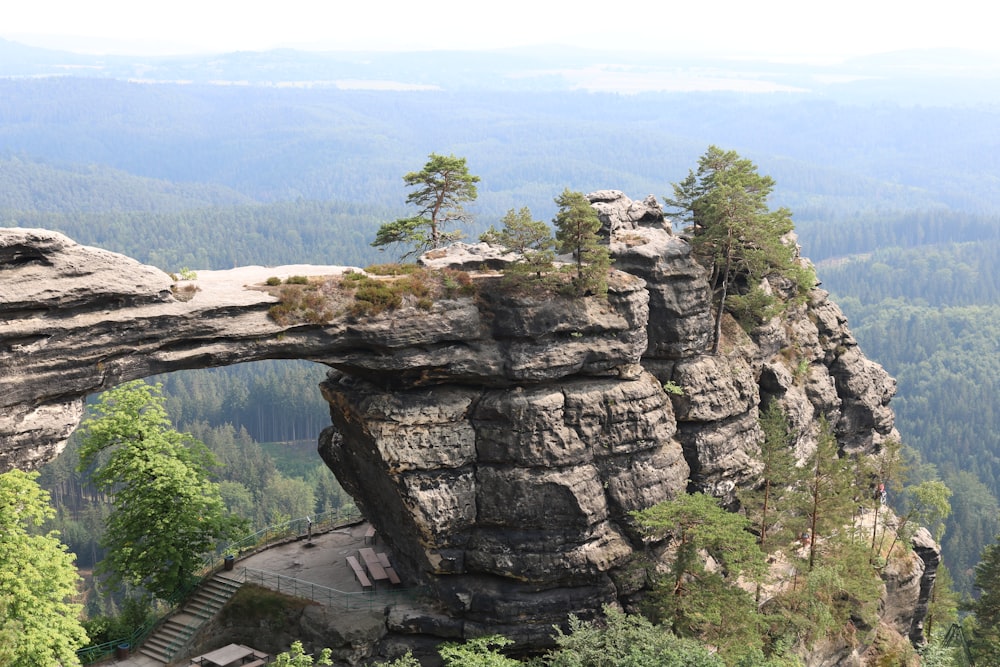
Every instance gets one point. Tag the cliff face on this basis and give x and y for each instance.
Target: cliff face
(499, 442)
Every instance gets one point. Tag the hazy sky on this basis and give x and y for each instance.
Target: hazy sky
(767, 27)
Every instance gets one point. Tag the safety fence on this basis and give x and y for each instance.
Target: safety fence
(328, 597)
(269, 536)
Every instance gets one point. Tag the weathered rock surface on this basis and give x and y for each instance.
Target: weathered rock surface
(497, 443)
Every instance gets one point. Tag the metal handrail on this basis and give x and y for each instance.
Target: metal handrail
(263, 538)
(329, 597)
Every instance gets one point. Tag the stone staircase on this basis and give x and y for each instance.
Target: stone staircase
(175, 634)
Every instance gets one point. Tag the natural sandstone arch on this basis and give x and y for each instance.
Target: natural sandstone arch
(498, 443)
(78, 320)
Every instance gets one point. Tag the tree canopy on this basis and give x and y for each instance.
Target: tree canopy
(577, 227)
(695, 600)
(731, 226)
(520, 233)
(39, 625)
(167, 512)
(296, 656)
(441, 189)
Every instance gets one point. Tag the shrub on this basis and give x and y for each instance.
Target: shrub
(273, 281)
(402, 284)
(301, 304)
(184, 292)
(673, 388)
(373, 298)
(393, 269)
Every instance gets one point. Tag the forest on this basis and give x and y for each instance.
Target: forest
(895, 203)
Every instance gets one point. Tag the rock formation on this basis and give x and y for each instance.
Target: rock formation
(499, 442)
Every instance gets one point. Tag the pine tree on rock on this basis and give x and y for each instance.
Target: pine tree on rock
(725, 202)
(763, 503)
(441, 189)
(577, 233)
(697, 601)
(829, 499)
(520, 233)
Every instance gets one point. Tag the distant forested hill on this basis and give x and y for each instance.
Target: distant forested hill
(353, 146)
(39, 187)
(296, 232)
(931, 316)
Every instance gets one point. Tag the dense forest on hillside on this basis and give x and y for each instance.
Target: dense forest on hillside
(896, 203)
(931, 316)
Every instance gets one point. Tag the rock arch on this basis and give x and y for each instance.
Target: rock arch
(498, 442)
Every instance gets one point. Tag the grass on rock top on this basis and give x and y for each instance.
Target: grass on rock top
(380, 288)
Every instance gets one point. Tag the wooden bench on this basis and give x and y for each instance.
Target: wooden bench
(256, 663)
(370, 534)
(383, 558)
(359, 572)
(375, 569)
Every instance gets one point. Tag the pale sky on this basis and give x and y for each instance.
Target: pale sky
(731, 27)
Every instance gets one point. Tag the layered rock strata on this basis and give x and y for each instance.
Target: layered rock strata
(498, 442)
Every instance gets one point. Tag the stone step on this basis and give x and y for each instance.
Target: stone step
(154, 654)
(164, 644)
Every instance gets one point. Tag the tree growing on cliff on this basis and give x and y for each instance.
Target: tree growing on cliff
(577, 227)
(39, 625)
(828, 502)
(763, 502)
(731, 226)
(530, 238)
(442, 187)
(520, 233)
(167, 514)
(694, 600)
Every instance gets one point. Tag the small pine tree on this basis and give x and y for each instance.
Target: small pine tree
(763, 503)
(695, 601)
(532, 239)
(520, 233)
(577, 233)
(829, 498)
(440, 190)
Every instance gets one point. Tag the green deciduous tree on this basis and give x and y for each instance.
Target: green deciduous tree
(477, 652)
(577, 232)
(441, 189)
(725, 201)
(625, 640)
(296, 656)
(39, 625)
(167, 513)
(925, 504)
